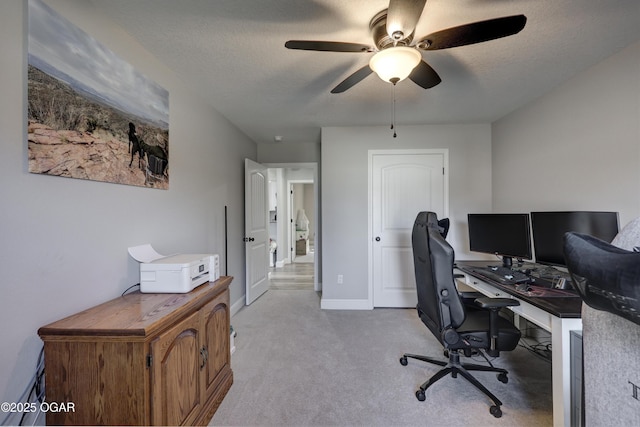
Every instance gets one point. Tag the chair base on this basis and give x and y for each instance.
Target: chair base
(454, 367)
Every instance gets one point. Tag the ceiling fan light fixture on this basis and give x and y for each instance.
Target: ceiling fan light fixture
(395, 63)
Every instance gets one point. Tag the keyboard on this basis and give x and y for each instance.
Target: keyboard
(503, 275)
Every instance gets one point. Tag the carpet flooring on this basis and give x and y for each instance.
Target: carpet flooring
(298, 365)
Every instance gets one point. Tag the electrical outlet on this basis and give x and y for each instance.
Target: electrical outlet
(340, 279)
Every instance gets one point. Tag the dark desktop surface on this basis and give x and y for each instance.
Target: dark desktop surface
(539, 292)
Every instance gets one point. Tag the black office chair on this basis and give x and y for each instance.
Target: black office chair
(605, 276)
(441, 309)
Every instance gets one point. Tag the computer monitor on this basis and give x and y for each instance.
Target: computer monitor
(549, 229)
(505, 235)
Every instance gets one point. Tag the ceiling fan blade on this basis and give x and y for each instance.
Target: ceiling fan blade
(354, 78)
(476, 32)
(327, 46)
(425, 76)
(402, 17)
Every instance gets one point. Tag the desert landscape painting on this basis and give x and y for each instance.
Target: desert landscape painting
(91, 115)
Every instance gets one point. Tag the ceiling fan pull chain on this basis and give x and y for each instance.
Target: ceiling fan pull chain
(393, 111)
(392, 115)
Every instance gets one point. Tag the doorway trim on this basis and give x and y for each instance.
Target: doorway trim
(317, 284)
(292, 214)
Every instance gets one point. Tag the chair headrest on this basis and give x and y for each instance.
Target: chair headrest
(427, 218)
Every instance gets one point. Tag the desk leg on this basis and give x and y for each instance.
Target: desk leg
(561, 368)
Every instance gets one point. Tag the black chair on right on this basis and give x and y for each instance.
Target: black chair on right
(606, 277)
(461, 332)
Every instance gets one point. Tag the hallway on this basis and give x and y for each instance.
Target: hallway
(293, 276)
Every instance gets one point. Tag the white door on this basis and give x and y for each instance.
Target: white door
(256, 223)
(403, 183)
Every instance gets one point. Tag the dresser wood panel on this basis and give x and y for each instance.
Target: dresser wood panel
(142, 359)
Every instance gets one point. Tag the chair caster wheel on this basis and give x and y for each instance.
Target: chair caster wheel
(403, 361)
(495, 411)
(502, 377)
(420, 395)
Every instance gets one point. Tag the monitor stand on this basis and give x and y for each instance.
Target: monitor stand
(507, 261)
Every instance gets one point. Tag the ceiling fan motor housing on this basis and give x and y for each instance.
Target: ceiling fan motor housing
(382, 40)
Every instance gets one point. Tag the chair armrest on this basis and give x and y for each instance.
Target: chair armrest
(470, 295)
(495, 303)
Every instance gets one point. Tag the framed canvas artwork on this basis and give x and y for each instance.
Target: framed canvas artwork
(91, 115)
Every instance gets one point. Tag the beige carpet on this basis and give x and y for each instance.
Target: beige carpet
(296, 365)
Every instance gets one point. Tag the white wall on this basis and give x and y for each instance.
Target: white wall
(344, 192)
(577, 147)
(63, 242)
(289, 152)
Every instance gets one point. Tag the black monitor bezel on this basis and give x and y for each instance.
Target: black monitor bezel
(546, 260)
(506, 256)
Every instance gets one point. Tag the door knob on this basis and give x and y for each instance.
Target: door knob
(248, 239)
(377, 238)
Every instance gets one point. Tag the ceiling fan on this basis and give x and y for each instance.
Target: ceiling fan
(396, 58)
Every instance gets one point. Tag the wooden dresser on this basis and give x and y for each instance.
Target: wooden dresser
(142, 359)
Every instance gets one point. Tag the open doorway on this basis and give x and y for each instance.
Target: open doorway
(293, 227)
(302, 233)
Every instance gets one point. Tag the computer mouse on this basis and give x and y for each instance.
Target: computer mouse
(523, 287)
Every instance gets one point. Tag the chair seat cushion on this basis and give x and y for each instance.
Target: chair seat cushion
(475, 331)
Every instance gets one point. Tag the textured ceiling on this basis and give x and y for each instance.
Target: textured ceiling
(232, 52)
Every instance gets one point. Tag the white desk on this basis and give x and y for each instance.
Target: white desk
(559, 324)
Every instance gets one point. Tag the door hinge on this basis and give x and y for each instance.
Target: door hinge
(149, 360)
(442, 171)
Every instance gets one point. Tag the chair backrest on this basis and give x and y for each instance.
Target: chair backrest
(438, 301)
(605, 276)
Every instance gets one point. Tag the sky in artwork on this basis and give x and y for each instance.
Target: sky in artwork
(65, 47)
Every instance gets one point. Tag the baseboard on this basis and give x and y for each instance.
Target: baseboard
(345, 304)
(280, 264)
(237, 306)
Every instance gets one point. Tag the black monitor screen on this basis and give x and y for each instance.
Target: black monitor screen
(549, 229)
(506, 235)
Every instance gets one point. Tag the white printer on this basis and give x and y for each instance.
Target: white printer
(175, 273)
